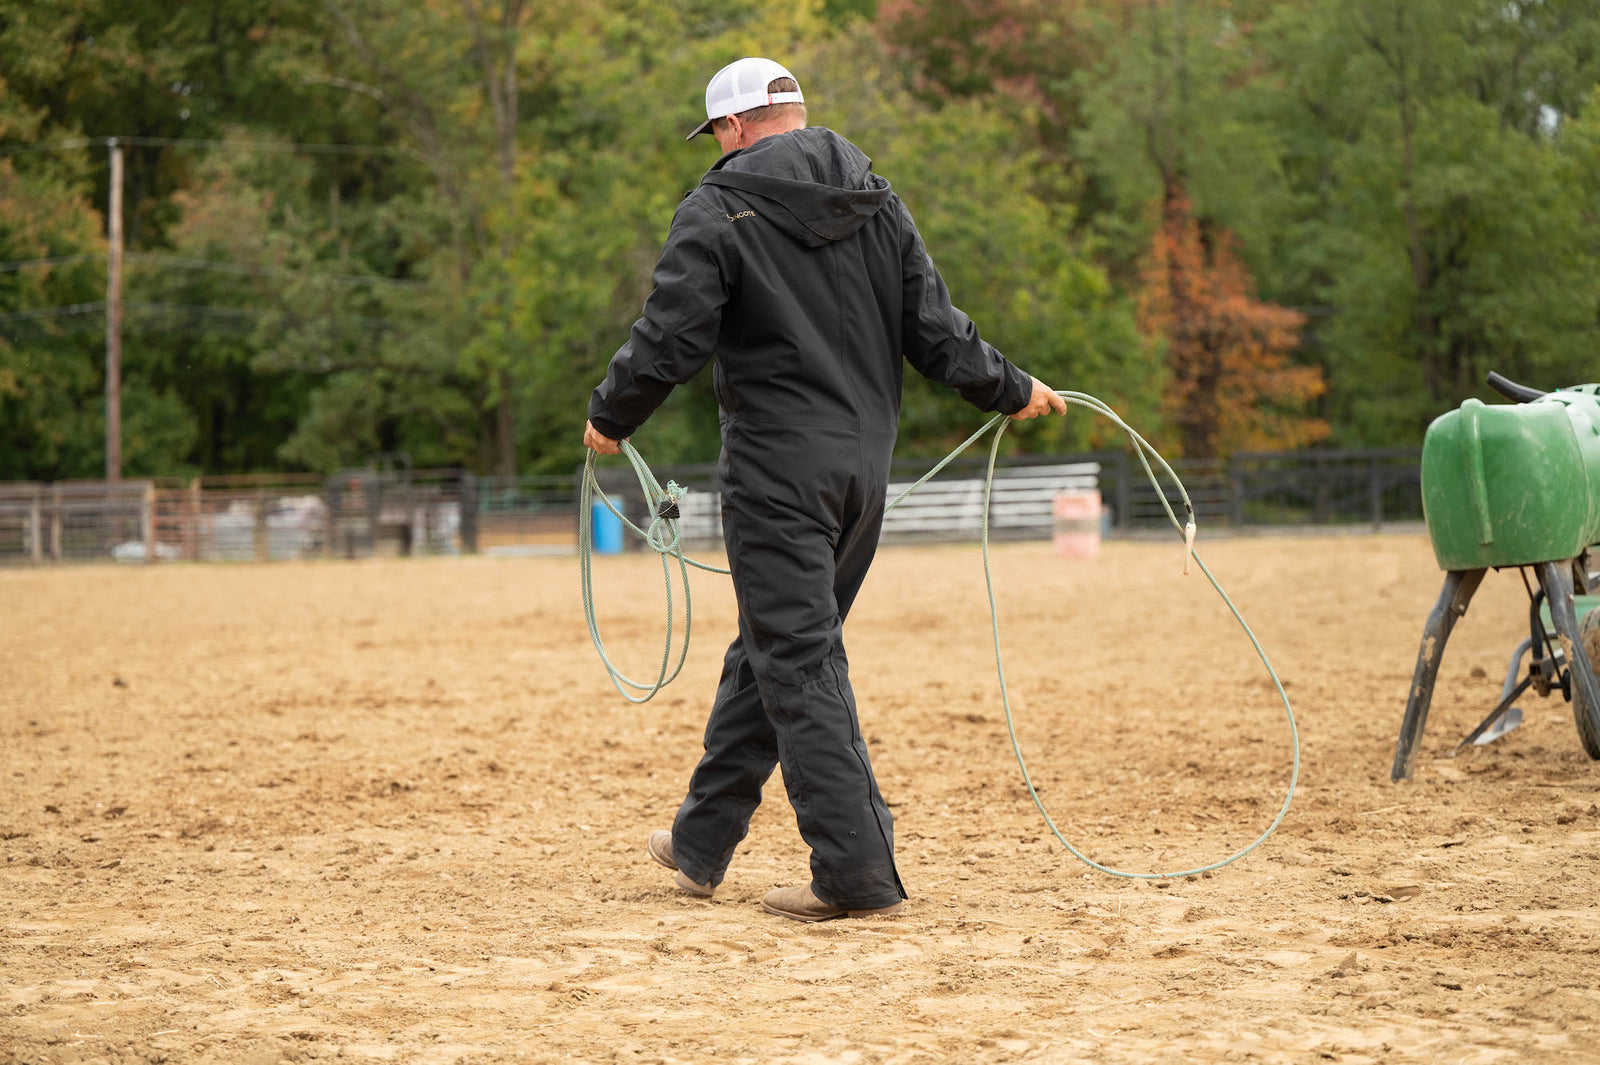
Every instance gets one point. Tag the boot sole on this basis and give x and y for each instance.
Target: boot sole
(808, 918)
(812, 918)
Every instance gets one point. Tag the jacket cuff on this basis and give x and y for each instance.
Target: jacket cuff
(609, 429)
(1014, 394)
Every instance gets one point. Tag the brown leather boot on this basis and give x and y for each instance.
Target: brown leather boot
(660, 848)
(799, 904)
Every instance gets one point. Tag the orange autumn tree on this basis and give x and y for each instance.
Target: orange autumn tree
(1231, 386)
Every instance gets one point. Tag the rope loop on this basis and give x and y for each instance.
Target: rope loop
(664, 534)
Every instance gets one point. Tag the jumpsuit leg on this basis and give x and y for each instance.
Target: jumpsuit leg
(741, 751)
(785, 693)
(801, 518)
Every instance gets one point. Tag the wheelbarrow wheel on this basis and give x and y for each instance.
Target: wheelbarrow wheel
(1585, 684)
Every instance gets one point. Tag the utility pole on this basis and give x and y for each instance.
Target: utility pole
(114, 319)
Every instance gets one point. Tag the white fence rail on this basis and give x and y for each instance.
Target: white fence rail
(943, 509)
(1020, 504)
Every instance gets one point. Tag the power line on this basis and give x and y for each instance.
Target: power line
(257, 270)
(54, 312)
(194, 309)
(286, 147)
(290, 147)
(219, 265)
(200, 309)
(53, 146)
(54, 260)
(158, 329)
(211, 311)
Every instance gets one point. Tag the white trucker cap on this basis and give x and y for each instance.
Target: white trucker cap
(741, 85)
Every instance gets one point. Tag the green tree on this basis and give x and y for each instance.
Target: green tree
(1437, 216)
(51, 365)
(76, 71)
(1182, 175)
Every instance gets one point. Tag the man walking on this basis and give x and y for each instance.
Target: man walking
(800, 274)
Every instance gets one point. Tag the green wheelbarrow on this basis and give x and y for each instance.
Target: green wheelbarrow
(1516, 486)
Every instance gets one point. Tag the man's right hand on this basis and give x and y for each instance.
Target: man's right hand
(1043, 401)
(595, 440)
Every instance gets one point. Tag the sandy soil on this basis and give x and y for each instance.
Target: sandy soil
(394, 811)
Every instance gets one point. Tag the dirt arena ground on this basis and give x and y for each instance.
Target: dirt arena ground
(394, 811)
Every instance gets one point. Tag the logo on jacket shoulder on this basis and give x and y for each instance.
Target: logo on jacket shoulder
(741, 214)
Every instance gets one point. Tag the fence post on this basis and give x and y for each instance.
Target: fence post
(147, 522)
(330, 518)
(1124, 494)
(35, 527)
(263, 550)
(191, 527)
(469, 513)
(1375, 490)
(1235, 494)
(55, 523)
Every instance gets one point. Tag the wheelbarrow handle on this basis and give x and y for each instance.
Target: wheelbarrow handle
(1511, 390)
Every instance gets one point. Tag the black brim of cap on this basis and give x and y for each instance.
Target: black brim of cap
(704, 127)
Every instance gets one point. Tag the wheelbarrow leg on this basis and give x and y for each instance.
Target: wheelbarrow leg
(1583, 688)
(1459, 585)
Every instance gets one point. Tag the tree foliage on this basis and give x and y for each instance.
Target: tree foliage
(1440, 217)
(1208, 211)
(1231, 386)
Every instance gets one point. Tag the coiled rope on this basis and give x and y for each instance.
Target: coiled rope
(663, 533)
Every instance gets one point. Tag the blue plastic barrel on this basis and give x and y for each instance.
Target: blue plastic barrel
(607, 530)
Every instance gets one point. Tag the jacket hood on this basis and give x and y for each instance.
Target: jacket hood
(821, 186)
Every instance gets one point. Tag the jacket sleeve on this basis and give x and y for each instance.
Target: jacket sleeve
(942, 343)
(677, 333)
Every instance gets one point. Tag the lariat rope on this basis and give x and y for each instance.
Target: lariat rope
(663, 535)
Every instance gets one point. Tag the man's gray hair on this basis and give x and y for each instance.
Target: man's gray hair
(770, 113)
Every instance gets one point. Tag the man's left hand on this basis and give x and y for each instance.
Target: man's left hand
(1043, 401)
(595, 440)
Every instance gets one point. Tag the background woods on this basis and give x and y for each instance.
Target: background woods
(357, 227)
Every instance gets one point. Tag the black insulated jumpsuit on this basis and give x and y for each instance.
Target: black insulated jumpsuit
(800, 273)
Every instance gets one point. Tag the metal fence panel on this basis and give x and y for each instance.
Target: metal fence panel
(244, 518)
(379, 510)
(1206, 481)
(1377, 486)
(527, 515)
(77, 521)
(23, 523)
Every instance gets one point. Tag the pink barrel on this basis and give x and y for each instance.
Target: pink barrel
(1076, 525)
